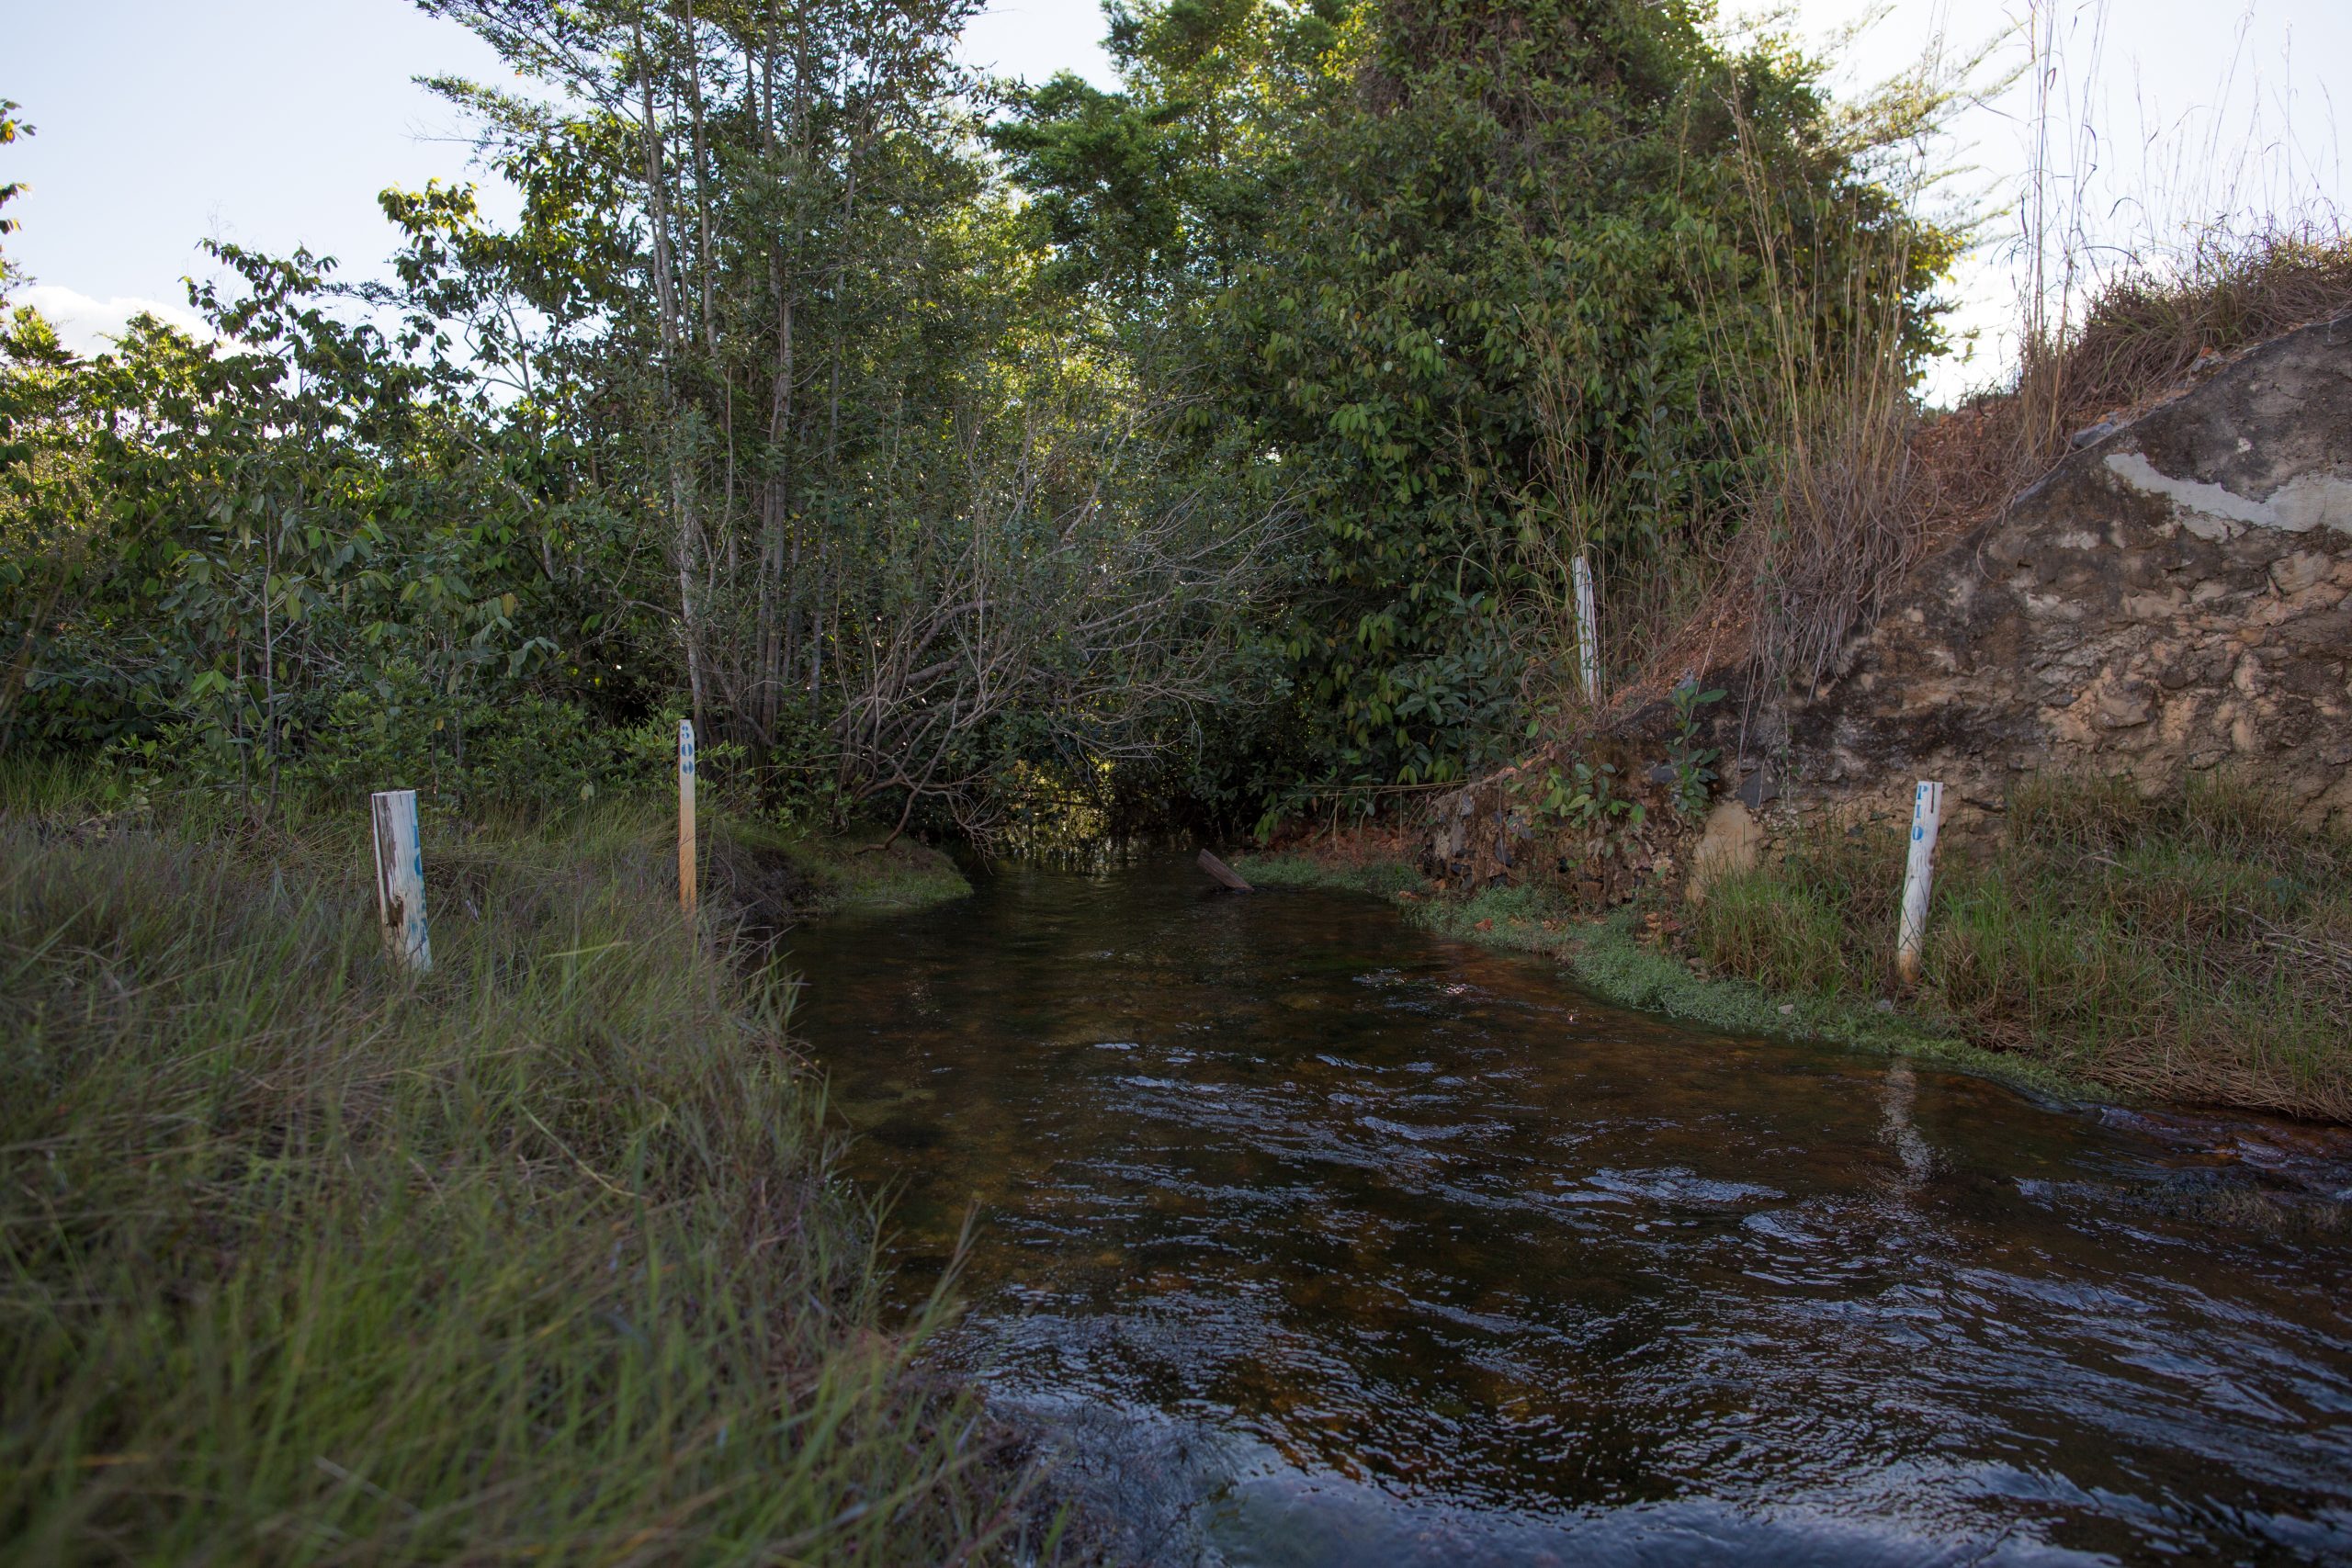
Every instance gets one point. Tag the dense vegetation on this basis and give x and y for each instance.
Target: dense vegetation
(954, 452)
(944, 447)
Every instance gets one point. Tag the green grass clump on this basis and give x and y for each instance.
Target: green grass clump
(1819, 922)
(1382, 878)
(542, 1255)
(2195, 947)
(851, 871)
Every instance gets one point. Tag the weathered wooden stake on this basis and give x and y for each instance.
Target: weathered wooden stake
(1588, 627)
(686, 815)
(1918, 873)
(1224, 872)
(400, 876)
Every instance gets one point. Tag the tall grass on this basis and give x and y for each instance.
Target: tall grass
(2217, 230)
(541, 1257)
(1816, 323)
(2196, 947)
(1820, 922)
(1847, 482)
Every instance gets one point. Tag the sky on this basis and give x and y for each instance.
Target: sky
(274, 123)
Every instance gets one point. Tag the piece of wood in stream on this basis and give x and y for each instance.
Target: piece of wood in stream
(1224, 872)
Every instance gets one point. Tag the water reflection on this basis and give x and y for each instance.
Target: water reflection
(1899, 1129)
(1327, 1243)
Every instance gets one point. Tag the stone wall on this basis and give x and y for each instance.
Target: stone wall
(2177, 596)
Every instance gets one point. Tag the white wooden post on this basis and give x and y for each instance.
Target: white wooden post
(1588, 627)
(1918, 873)
(686, 815)
(400, 876)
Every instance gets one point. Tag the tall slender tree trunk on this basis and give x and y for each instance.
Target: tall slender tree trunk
(682, 503)
(702, 180)
(269, 659)
(665, 289)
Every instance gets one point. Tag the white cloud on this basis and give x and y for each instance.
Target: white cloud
(90, 326)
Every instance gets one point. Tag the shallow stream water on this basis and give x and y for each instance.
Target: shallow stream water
(1316, 1239)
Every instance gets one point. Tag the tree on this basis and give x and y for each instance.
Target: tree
(11, 128)
(1478, 311)
(784, 290)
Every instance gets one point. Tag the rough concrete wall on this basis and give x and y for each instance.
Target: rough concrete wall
(2175, 597)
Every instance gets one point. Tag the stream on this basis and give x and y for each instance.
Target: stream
(1314, 1239)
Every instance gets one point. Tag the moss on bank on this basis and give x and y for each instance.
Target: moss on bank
(540, 1256)
(831, 873)
(1610, 958)
(2195, 948)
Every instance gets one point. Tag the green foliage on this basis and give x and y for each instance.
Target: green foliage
(216, 544)
(1693, 765)
(852, 871)
(524, 754)
(1472, 314)
(1590, 799)
(11, 128)
(1820, 922)
(1383, 878)
(1226, 437)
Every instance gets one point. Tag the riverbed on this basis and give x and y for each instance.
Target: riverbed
(1311, 1238)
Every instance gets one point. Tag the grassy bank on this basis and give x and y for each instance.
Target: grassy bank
(1618, 961)
(2196, 948)
(541, 1256)
(804, 876)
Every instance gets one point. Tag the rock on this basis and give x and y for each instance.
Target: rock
(2304, 569)
(2107, 620)
(2124, 705)
(1730, 843)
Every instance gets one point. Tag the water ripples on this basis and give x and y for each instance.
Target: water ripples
(1319, 1241)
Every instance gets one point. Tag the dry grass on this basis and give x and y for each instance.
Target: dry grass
(1858, 486)
(2148, 328)
(2145, 336)
(1832, 528)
